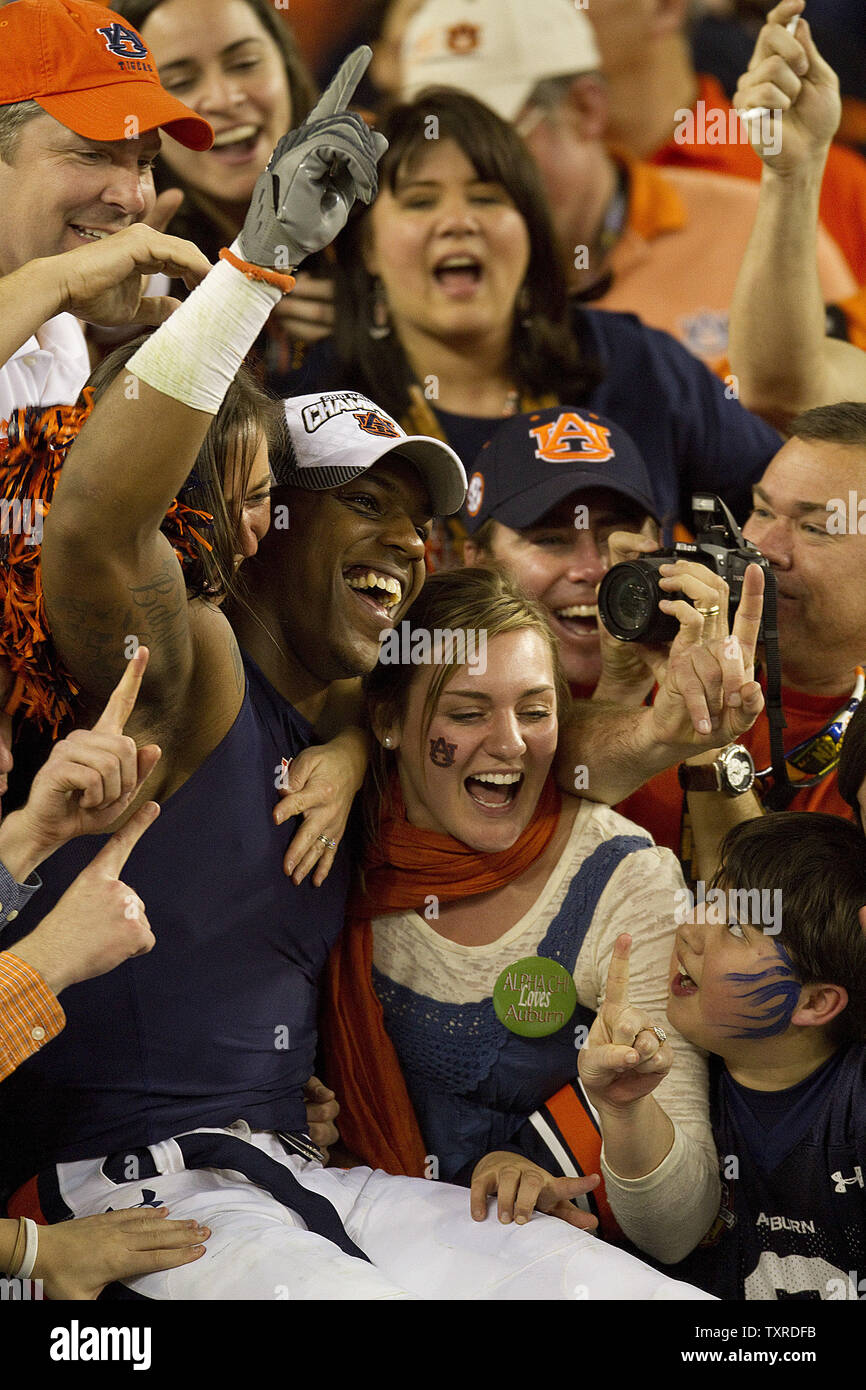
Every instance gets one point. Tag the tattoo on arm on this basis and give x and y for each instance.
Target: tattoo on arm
(93, 636)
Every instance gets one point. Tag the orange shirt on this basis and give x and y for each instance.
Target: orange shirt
(677, 261)
(658, 806)
(30, 1015)
(843, 192)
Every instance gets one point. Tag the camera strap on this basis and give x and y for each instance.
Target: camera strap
(817, 756)
(782, 791)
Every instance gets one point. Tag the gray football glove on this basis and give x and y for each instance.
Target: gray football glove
(314, 175)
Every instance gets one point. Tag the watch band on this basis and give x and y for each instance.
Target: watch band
(716, 777)
(699, 779)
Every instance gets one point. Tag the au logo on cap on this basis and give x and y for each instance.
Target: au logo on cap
(122, 42)
(373, 423)
(475, 494)
(571, 436)
(463, 38)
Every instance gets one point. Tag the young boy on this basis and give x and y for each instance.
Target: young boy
(779, 998)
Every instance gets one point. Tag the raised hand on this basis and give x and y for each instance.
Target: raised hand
(522, 1187)
(787, 74)
(707, 694)
(99, 922)
(305, 195)
(93, 775)
(624, 1059)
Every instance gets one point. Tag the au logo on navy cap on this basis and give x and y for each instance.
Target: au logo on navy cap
(475, 494)
(571, 436)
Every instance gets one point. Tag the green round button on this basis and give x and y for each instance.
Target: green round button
(534, 997)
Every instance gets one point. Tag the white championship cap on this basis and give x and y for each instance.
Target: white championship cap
(499, 50)
(335, 436)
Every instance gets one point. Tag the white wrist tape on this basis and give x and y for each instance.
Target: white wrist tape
(31, 1249)
(195, 355)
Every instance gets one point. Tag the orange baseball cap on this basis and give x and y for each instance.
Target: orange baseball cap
(90, 70)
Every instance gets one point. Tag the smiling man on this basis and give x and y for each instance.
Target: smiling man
(802, 520)
(188, 1076)
(544, 496)
(80, 110)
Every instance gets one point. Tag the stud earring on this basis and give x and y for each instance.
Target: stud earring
(387, 742)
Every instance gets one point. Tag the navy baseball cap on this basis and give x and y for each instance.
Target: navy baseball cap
(533, 461)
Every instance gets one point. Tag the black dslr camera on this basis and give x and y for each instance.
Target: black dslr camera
(629, 594)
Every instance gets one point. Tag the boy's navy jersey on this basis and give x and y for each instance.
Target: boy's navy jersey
(792, 1219)
(218, 1021)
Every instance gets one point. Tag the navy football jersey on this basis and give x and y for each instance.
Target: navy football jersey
(793, 1206)
(218, 1021)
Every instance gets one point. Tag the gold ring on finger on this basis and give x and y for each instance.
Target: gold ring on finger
(708, 612)
(660, 1033)
(332, 844)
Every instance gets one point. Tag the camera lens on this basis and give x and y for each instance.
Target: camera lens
(627, 600)
(632, 604)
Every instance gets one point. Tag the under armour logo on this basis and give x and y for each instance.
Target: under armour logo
(843, 1183)
(149, 1199)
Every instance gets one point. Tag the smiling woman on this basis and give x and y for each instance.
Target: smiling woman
(474, 863)
(235, 63)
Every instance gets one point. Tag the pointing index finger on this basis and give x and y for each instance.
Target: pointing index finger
(122, 700)
(747, 620)
(616, 990)
(342, 87)
(113, 855)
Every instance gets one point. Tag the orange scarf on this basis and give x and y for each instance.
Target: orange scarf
(377, 1121)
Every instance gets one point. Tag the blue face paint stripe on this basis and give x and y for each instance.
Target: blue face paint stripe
(772, 1020)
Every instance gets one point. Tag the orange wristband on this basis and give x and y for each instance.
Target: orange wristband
(286, 283)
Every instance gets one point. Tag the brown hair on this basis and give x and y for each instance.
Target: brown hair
(842, 423)
(544, 354)
(459, 600)
(818, 864)
(246, 416)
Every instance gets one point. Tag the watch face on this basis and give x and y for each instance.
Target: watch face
(739, 769)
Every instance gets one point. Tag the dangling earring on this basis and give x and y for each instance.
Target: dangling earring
(380, 324)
